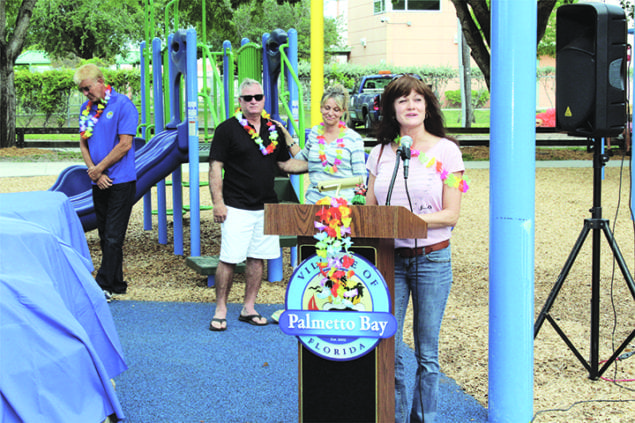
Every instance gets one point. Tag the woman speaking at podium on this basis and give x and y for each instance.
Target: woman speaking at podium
(334, 151)
(433, 192)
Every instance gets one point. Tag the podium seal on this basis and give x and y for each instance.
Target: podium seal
(338, 321)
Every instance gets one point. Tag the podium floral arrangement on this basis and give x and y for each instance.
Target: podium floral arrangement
(335, 259)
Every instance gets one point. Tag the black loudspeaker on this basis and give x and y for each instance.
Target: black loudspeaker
(591, 69)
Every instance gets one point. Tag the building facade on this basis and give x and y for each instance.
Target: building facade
(404, 33)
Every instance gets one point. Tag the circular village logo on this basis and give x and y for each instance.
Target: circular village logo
(338, 321)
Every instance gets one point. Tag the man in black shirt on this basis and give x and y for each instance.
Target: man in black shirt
(250, 148)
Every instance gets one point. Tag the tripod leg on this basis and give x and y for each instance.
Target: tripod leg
(617, 353)
(619, 258)
(563, 275)
(631, 285)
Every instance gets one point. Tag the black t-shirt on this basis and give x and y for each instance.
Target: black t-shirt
(248, 182)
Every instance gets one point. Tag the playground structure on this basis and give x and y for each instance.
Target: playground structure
(170, 92)
(275, 59)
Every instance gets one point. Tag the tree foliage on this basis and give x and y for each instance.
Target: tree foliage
(475, 16)
(252, 18)
(547, 45)
(14, 22)
(86, 29)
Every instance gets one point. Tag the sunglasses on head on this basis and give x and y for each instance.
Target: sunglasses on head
(248, 98)
(412, 75)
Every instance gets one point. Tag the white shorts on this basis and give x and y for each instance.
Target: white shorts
(242, 236)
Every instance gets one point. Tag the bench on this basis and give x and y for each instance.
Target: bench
(207, 265)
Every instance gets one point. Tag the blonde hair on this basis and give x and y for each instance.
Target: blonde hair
(88, 71)
(340, 95)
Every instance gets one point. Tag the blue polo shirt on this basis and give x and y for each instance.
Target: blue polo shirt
(120, 117)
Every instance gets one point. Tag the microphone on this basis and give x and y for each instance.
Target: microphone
(406, 143)
(338, 184)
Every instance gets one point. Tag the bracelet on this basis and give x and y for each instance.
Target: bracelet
(292, 144)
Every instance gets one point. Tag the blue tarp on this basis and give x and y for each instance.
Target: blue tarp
(59, 348)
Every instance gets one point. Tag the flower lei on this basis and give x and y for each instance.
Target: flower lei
(462, 184)
(322, 150)
(271, 127)
(334, 226)
(86, 121)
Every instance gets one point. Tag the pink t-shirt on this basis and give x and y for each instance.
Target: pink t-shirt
(424, 184)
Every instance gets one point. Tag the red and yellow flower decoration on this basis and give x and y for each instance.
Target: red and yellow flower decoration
(333, 244)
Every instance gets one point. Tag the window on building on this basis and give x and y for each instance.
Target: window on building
(379, 6)
(416, 5)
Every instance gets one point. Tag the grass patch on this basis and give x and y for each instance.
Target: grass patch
(13, 154)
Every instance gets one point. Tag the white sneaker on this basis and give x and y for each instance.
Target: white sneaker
(108, 296)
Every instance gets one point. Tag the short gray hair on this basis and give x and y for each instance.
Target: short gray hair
(248, 82)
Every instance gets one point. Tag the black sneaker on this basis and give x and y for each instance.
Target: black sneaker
(120, 289)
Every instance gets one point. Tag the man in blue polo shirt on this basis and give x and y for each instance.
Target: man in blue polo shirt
(107, 124)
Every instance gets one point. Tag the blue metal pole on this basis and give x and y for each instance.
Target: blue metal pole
(628, 128)
(162, 219)
(512, 210)
(159, 122)
(294, 101)
(274, 266)
(227, 79)
(294, 106)
(192, 126)
(147, 198)
(266, 80)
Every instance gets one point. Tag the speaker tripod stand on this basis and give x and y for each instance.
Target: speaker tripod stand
(597, 225)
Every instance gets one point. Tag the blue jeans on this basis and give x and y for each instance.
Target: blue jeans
(428, 279)
(112, 210)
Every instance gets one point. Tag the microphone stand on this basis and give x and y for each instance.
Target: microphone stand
(394, 176)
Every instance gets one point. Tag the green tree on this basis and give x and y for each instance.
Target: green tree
(547, 45)
(14, 23)
(86, 29)
(219, 18)
(224, 18)
(475, 15)
(253, 19)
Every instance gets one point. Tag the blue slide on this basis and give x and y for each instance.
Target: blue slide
(154, 161)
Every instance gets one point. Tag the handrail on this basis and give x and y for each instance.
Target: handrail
(176, 17)
(216, 85)
(285, 95)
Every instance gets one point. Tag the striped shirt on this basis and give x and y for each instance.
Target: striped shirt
(352, 157)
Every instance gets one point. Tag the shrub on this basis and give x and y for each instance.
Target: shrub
(479, 98)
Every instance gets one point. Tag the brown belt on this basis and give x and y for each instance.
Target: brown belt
(414, 252)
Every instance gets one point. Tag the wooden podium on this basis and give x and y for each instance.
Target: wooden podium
(360, 390)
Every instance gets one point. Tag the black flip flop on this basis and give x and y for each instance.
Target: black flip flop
(220, 329)
(251, 319)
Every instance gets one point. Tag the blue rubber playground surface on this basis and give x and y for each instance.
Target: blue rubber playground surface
(179, 371)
